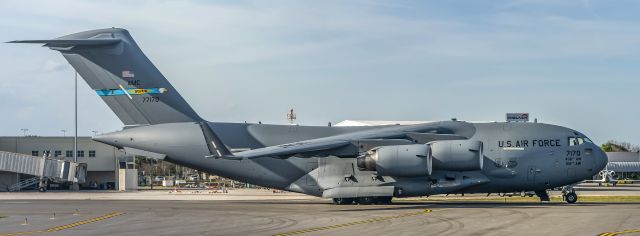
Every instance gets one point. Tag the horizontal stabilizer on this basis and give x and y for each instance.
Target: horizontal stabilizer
(70, 42)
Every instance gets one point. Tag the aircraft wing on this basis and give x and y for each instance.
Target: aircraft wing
(341, 145)
(291, 149)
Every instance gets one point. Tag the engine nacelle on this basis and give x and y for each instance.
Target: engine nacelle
(457, 155)
(417, 160)
(399, 160)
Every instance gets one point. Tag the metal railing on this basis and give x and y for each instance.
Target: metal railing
(24, 184)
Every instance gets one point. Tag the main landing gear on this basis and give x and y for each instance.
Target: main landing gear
(569, 194)
(543, 195)
(363, 201)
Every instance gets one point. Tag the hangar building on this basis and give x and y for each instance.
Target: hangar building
(625, 164)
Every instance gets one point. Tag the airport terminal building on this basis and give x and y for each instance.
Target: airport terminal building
(101, 159)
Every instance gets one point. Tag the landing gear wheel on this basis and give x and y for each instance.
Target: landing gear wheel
(571, 197)
(366, 200)
(343, 201)
(384, 200)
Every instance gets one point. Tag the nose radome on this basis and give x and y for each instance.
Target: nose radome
(601, 158)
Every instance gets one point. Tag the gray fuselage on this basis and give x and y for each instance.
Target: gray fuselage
(517, 156)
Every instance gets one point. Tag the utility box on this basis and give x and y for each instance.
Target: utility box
(167, 183)
(127, 179)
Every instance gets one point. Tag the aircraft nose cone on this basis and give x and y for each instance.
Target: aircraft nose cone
(601, 158)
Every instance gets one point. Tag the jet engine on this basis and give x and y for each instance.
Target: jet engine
(457, 155)
(417, 160)
(399, 160)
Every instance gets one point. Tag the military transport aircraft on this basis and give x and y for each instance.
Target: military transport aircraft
(364, 165)
(608, 177)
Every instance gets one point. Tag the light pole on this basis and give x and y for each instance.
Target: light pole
(24, 131)
(75, 138)
(64, 132)
(75, 186)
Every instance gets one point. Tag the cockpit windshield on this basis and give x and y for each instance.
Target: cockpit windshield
(575, 141)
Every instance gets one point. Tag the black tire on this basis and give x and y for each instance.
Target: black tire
(571, 197)
(366, 200)
(42, 189)
(384, 200)
(343, 201)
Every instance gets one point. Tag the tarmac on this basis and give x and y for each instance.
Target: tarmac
(262, 212)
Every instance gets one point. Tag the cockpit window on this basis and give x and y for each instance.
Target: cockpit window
(575, 141)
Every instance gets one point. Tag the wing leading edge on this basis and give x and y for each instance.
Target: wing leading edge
(338, 146)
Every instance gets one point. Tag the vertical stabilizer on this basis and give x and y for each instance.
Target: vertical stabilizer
(113, 65)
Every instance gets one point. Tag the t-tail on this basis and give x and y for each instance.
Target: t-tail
(113, 65)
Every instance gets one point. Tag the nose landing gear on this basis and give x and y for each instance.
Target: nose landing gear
(571, 197)
(569, 194)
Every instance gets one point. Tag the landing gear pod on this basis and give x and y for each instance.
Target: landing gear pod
(457, 155)
(400, 160)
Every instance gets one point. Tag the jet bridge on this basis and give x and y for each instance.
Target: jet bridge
(43, 169)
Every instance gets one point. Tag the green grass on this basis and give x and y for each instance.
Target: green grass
(516, 199)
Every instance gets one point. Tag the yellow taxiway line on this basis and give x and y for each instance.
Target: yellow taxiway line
(372, 220)
(67, 226)
(620, 232)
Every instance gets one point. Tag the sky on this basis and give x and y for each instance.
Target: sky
(571, 63)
